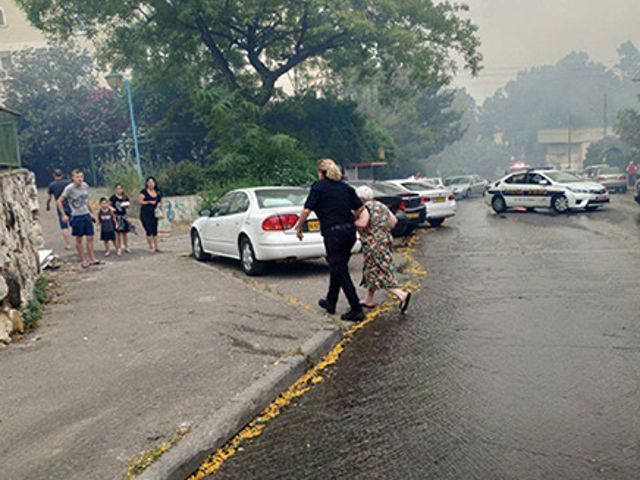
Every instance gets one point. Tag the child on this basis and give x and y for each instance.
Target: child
(120, 204)
(107, 225)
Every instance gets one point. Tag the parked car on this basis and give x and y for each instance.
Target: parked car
(406, 206)
(256, 226)
(435, 181)
(465, 186)
(440, 202)
(554, 189)
(613, 178)
(637, 191)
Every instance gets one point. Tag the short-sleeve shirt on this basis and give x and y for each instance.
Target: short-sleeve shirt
(106, 221)
(116, 203)
(77, 198)
(333, 202)
(57, 187)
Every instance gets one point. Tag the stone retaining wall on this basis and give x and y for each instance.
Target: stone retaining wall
(20, 240)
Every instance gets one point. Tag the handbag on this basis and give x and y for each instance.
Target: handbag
(159, 212)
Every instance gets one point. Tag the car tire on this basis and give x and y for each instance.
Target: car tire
(435, 222)
(196, 247)
(499, 204)
(560, 204)
(250, 265)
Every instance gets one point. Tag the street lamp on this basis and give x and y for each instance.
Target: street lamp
(116, 81)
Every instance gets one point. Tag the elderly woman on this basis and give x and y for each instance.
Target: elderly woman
(375, 225)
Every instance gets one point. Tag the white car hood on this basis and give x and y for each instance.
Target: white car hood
(583, 185)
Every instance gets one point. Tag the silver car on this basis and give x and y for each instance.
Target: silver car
(612, 178)
(465, 186)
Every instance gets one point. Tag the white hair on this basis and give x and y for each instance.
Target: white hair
(365, 193)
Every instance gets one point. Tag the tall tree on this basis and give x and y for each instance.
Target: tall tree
(250, 44)
(62, 108)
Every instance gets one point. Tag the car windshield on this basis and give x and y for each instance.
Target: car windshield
(417, 186)
(563, 177)
(290, 197)
(379, 188)
(457, 180)
(609, 171)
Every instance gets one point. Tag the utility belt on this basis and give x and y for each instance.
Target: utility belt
(340, 228)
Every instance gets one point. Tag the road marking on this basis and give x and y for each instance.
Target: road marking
(315, 375)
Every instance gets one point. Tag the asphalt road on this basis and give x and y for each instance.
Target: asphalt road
(520, 360)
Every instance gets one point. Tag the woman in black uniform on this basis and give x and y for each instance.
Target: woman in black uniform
(150, 198)
(336, 205)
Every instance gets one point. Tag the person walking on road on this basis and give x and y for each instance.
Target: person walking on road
(375, 226)
(76, 194)
(335, 204)
(120, 203)
(55, 190)
(632, 172)
(151, 201)
(107, 220)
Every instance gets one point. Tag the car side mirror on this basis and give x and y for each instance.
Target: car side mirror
(205, 213)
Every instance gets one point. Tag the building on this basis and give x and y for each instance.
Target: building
(16, 33)
(567, 148)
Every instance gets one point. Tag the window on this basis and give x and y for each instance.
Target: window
(240, 203)
(3, 19)
(294, 197)
(517, 178)
(223, 205)
(5, 60)
(536, 179)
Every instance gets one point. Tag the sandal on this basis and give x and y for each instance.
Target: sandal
(405, 303)
(97, 262)
(373, 305)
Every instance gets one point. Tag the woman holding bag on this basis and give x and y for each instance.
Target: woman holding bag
(375, 227)
(151, 204)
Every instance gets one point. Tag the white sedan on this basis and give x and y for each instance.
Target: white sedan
(440, 202)
(255, 226)
(560, 191)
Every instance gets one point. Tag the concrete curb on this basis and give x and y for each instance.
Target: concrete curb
(214, 432)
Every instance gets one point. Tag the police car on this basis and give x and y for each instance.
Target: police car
(541, 188)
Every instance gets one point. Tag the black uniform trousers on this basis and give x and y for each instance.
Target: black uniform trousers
(338, 242)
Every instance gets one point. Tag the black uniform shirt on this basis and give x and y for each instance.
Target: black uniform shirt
(333, 202)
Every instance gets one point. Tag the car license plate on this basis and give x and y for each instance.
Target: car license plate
(313, 225)
(601, 198)
(439, 200)
(413, 215)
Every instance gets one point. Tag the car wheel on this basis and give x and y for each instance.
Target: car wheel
(435, 222)
(498, 204)
(248, 261)
(196, 247)
(560, 204)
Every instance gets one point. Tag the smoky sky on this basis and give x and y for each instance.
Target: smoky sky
(516, 34)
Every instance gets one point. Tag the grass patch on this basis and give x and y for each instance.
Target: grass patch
(33, 310)
(139, 463)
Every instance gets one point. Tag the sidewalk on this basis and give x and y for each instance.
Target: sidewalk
(131, 351)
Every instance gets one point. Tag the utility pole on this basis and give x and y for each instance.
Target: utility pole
(604, 118)
(569, 143)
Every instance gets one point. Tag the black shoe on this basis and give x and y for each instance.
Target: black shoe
(324, 304)
(353, 316)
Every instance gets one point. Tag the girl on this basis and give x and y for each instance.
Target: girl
(150, 199)
(120, 203)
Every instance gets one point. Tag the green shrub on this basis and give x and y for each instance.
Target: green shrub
(33, 310)
(181, 178)
(123, 173)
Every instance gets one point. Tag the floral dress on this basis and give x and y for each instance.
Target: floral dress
(377, 241)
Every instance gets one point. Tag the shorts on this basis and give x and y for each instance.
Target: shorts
(108, 236)
(63, 225)
(82, 226)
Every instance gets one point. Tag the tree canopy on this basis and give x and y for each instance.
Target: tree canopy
(248, 45)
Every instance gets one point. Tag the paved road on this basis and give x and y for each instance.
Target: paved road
(520, 360)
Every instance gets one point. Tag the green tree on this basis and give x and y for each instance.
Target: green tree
(610, 150)
(249, 45)
(329, 127)
(567, 94)
(62, 108)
